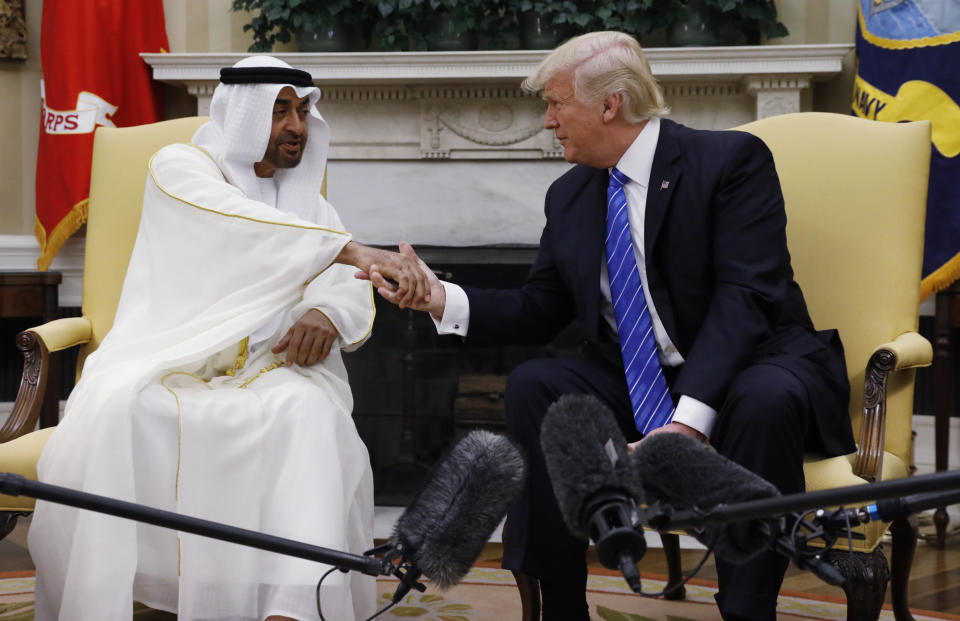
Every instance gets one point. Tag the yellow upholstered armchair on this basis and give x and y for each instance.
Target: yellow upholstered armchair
(118, 177)
(855, 193)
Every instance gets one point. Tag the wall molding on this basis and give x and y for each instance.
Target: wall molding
(20, 253)
(924, 452)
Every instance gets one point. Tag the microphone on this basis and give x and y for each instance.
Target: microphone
(891, 509)
(684, 473)
(445, 527)
(888, 509)
(593, 480)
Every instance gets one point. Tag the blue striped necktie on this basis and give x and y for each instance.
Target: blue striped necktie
(649, 394)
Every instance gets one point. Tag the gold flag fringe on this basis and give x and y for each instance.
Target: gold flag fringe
(941, 278)
(50, 244)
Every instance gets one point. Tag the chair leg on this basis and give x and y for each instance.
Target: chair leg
(671, 548)
(867, 576)
(904, 533)
(529, 596)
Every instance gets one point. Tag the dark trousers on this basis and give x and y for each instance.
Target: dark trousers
(761, 426)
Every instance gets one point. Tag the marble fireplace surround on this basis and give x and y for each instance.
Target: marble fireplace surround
(443, 148)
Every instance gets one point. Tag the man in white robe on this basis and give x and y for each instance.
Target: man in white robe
(220, 391)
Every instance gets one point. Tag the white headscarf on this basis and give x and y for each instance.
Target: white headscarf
(241, 116)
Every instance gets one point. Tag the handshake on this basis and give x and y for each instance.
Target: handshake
(400, 277)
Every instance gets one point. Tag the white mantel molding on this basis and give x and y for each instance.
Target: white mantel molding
(511, 66)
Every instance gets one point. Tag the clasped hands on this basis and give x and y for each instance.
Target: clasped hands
(403, 279)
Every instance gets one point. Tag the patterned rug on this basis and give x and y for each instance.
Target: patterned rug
(16, 595)
(490, 594)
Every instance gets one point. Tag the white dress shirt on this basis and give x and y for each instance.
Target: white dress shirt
(635, 163)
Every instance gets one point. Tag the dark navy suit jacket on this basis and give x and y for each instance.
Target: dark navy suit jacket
(718, 270)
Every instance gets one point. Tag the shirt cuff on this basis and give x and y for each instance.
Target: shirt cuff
(456, 311)
(695, 414)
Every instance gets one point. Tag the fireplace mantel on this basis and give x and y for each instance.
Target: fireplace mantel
(764, 71)
(444, 148)
(669, 64)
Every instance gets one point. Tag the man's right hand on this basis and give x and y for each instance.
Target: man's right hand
(401, 273)
(437, 301)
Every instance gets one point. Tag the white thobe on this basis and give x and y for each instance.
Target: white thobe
(157, 419)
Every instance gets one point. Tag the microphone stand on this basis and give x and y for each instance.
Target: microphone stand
(662, 517)
(929, 491)
(16, 485)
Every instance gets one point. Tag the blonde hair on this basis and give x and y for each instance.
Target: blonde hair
(604, 63)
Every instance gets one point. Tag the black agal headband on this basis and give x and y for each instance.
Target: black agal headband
(265, 75)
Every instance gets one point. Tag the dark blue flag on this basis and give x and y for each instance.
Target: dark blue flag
(908, 54)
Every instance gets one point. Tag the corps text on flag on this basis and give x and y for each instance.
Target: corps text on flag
(93, 76)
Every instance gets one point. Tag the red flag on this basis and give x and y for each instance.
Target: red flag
(92, 75)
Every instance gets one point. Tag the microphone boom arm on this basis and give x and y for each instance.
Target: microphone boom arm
(16, 485)
(666, 518)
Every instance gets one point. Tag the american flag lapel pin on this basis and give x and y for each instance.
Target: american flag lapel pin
(665, 184)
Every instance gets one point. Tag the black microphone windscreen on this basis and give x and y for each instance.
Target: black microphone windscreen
(683, 472)
(445, 527)
(585, 452)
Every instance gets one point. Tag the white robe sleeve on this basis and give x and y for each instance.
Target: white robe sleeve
(346, 301)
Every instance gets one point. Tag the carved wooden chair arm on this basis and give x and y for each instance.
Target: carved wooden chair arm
(37, 345)
(907, 351)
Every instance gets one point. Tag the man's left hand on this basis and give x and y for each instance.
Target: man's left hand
(674, 428)
(309, 340)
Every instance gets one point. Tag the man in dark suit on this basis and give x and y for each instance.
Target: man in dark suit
(701, 215)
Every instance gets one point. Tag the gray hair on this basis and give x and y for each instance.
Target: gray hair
(604, 63)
